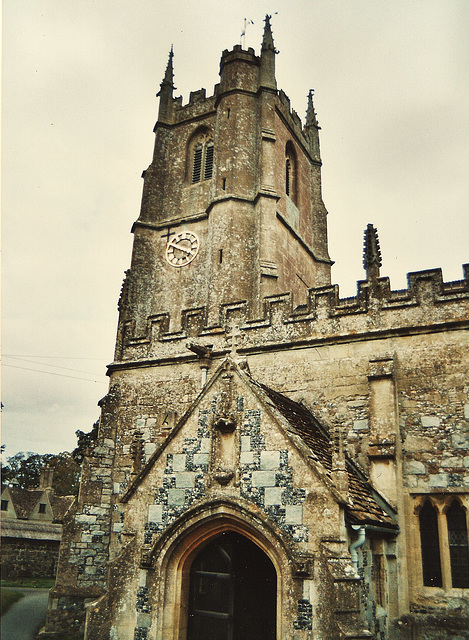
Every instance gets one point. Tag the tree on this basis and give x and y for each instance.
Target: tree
(85, 442)
(24, 468)
(24, 471)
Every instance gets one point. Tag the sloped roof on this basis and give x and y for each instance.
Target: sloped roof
(364, 507)
(31, 530)
(60, 506)
(24, 501)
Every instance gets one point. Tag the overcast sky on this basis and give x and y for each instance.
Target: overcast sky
(79, 84)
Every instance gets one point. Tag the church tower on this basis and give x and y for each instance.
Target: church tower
(232, 207)
(272, 462)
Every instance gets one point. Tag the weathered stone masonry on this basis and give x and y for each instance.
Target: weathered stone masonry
(314, 426)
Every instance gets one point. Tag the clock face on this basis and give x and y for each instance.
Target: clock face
(182, 249)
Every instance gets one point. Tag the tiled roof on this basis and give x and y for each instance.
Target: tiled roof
(364, 508)
(31, 530)
(24, 501)
(60, 506)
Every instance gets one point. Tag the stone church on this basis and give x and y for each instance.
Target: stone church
(273, 462)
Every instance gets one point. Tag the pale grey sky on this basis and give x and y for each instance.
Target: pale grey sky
(79, 84)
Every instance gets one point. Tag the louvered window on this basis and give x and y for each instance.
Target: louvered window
(197, 166)
(202, 166)
(431, 562)
(458, 545)
(208, 170)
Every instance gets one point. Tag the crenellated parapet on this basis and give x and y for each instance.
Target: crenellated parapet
(427, 304)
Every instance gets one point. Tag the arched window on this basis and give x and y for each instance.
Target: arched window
(458, 545)
(290, 172)
(233, 591)
(429, 539)
(201, 158)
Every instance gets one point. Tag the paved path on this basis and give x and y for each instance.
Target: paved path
(24, 618)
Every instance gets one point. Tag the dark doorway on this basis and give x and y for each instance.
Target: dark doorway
(233, 592)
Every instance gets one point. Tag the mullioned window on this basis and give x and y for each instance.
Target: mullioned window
(444, 542)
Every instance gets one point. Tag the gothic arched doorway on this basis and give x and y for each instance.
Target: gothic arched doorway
(233, 591)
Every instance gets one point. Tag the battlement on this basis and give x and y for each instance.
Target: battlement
(239, 70)
(428, 304)
(291, 117)
(238, 53)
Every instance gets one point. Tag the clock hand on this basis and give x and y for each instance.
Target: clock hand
(175, 246)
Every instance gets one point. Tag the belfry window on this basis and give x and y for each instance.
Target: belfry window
(197, 165)
(208, 165)
(458, 545)
(202, 161)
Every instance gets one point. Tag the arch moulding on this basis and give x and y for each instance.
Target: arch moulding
(170, 558)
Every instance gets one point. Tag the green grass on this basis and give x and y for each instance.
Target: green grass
(8, 598)
(36, 583)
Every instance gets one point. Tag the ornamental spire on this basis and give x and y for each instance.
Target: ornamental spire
(311, 120)
(312, 128)
(166, 91)
(371, 253)
(268, 39)
(267, 75)
(167, 82)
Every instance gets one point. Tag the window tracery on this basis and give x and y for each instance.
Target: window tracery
(458, 545)
(444, 541)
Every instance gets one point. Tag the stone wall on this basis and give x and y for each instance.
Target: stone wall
(23, 558)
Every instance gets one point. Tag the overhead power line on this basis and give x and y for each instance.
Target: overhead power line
(55, 366)
(29, 355)
(53, 373)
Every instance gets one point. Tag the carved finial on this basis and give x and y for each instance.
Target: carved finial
(268, 51)
(268, 39)
(167, 82)
(165, 112)
(311, 120)
(312, 128)
(371, 253)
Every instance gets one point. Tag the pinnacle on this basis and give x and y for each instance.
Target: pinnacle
(311, 119)
(371, 252)
(268, 40)
(167, 82)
